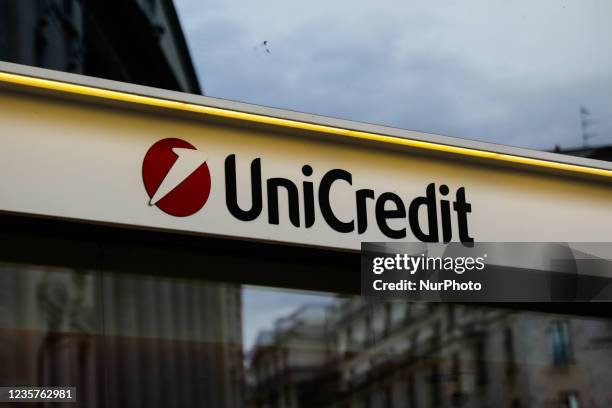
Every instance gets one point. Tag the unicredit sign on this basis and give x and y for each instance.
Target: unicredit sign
(177, 180)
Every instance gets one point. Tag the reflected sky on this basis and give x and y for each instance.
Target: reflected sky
(506, 72)
(262, 306)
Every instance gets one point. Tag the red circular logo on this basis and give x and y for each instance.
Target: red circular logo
(176, 177)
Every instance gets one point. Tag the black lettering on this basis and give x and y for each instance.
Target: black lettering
(326, 182)
(309, 205)
(362, 209)
(429, 201)
(231, 194)
(293, 200)
(462, 208)
(382, 214)
(447, 229)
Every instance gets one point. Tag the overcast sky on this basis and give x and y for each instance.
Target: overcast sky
(511, 72)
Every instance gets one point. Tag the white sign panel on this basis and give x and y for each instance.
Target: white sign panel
(85, 162)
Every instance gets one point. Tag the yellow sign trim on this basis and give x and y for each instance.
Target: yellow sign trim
(294, 124)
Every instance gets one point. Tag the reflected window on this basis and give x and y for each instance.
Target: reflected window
(407, 310)
(435, 386)
(411, 398)
(369, 334)
(388, 316)
(367, 401)
(481, 364)
(349, 340)
(152, 4)
(450, 310)
(457, 394)
(561, 342)
(68, 7)
(569, 400)
(387, 398)
(510, 356)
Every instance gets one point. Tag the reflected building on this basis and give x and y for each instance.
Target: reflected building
(396, 354)
(288, 362)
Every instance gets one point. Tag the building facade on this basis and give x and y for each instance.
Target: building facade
(288, 360)
(136, 41)
(397, 354)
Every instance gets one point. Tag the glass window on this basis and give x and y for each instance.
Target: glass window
(561, 342)
(129, 326)
(509, 350)
(388, 317)
(411, 397)
(569, 400)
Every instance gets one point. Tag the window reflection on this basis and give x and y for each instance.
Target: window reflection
(49, 328)
(156, 341)
(431, 355)
(561, 344)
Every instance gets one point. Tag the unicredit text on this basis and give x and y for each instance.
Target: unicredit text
(387, 205)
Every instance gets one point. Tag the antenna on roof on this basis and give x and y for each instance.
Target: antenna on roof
(585, 122)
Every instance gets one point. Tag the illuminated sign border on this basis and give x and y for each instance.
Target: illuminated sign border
(174, 105)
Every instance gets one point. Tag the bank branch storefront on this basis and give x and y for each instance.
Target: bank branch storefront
(140, 227)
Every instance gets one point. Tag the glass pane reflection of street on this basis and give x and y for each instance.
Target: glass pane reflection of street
(150, 341)
(355, 353)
